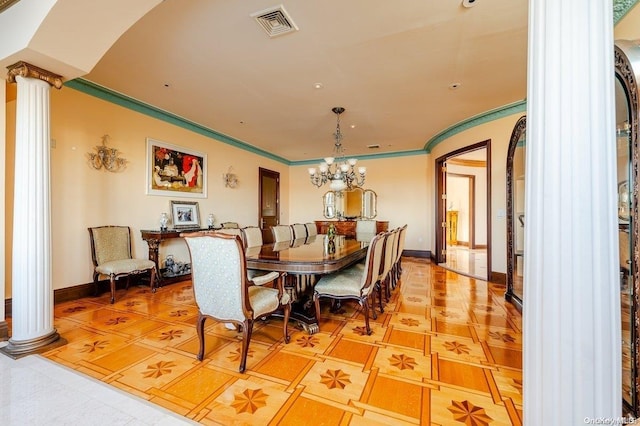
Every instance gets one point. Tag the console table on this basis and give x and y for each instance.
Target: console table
(154, 237)
(347, 227)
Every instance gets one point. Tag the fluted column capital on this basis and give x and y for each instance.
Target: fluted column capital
(25, 69)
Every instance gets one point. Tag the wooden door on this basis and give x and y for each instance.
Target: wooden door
(269, 202)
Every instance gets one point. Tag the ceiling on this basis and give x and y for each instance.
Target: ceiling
(391, 65)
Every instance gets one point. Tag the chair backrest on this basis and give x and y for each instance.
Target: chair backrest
(231, 231)
(281, 233)
(252, 236)
(366, 226)
(372, 264)
(312, 229)
(299, 230)
(388, 260)
(230, 225)
(401, 237)
(218, 272)
(110, 243)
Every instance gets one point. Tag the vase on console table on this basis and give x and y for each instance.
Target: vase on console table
(164, 219)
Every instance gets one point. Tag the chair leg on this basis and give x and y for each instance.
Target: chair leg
(247, 329)
(200, 330)
(152, 280)
(316, 301)
(287, 312)
(112, 281)
(95, 282)
(379, 288)
(373, 310)
(365, 308)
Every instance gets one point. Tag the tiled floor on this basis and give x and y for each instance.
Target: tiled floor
(37, 391)
(471, 262)
(446, 351)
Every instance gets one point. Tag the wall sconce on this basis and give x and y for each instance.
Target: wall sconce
(107, 158)
(230, 179)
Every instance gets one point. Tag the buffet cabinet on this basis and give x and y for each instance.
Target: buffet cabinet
(347, 227)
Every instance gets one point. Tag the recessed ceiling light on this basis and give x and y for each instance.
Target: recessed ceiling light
(469, 3)
(454, 86)
(167, 85)
(353, 126)
(318, 85)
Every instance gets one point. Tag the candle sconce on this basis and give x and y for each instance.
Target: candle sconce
(106, 158)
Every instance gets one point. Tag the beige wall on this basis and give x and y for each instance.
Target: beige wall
(401, 184)
(83, 197)
(499, 132)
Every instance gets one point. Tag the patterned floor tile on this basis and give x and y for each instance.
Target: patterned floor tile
(447, 350)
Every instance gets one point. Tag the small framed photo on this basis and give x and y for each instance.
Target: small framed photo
(185, 214)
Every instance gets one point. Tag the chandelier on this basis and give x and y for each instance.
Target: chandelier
(338, 171)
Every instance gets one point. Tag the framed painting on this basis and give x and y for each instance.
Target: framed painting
(173, 170)
(185, 214)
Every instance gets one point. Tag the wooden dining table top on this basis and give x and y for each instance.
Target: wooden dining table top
(306, 255)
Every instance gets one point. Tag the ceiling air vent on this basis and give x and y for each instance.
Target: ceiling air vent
(275, 21)
(375, 146)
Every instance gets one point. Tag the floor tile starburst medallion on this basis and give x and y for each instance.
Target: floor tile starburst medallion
(249, 401)
(335, 379)
(430, 360)
(402, 362)
(467, 413)
(158, 369)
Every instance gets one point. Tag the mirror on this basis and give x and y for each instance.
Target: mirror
(516, 157)
(350, 204)
(627, 55)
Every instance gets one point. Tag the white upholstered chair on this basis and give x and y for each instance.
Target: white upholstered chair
(365, 226)
(299, 230)
(111, 255)
(230, 225)
(281, 233)
(312, 229)
(353, 283)
(383, 282)
(223, 291)
(252, 236)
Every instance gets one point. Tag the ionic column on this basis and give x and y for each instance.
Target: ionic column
(32, 289)
(572, 355)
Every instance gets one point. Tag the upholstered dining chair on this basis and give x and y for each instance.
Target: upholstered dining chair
(353, 283)
(383, 282)
(111, 255)
(365, 226)
(224, 292)
(312, 229)
(252, 236)
(299, 230)
(397, 266)
(231, 231)
(281, 233)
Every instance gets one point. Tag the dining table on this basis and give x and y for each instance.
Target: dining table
(305, 260)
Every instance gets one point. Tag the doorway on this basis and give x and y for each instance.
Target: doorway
(463, 226)
(269, 202)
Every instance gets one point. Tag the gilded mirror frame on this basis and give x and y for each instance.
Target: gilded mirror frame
(627, 67)
(518, 130)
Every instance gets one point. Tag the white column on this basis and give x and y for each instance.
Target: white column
(3, 162)
(32, 288)
(571, 314)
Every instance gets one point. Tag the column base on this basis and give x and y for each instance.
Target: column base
(18, 349)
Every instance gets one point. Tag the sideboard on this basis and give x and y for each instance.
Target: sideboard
(347, 227)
